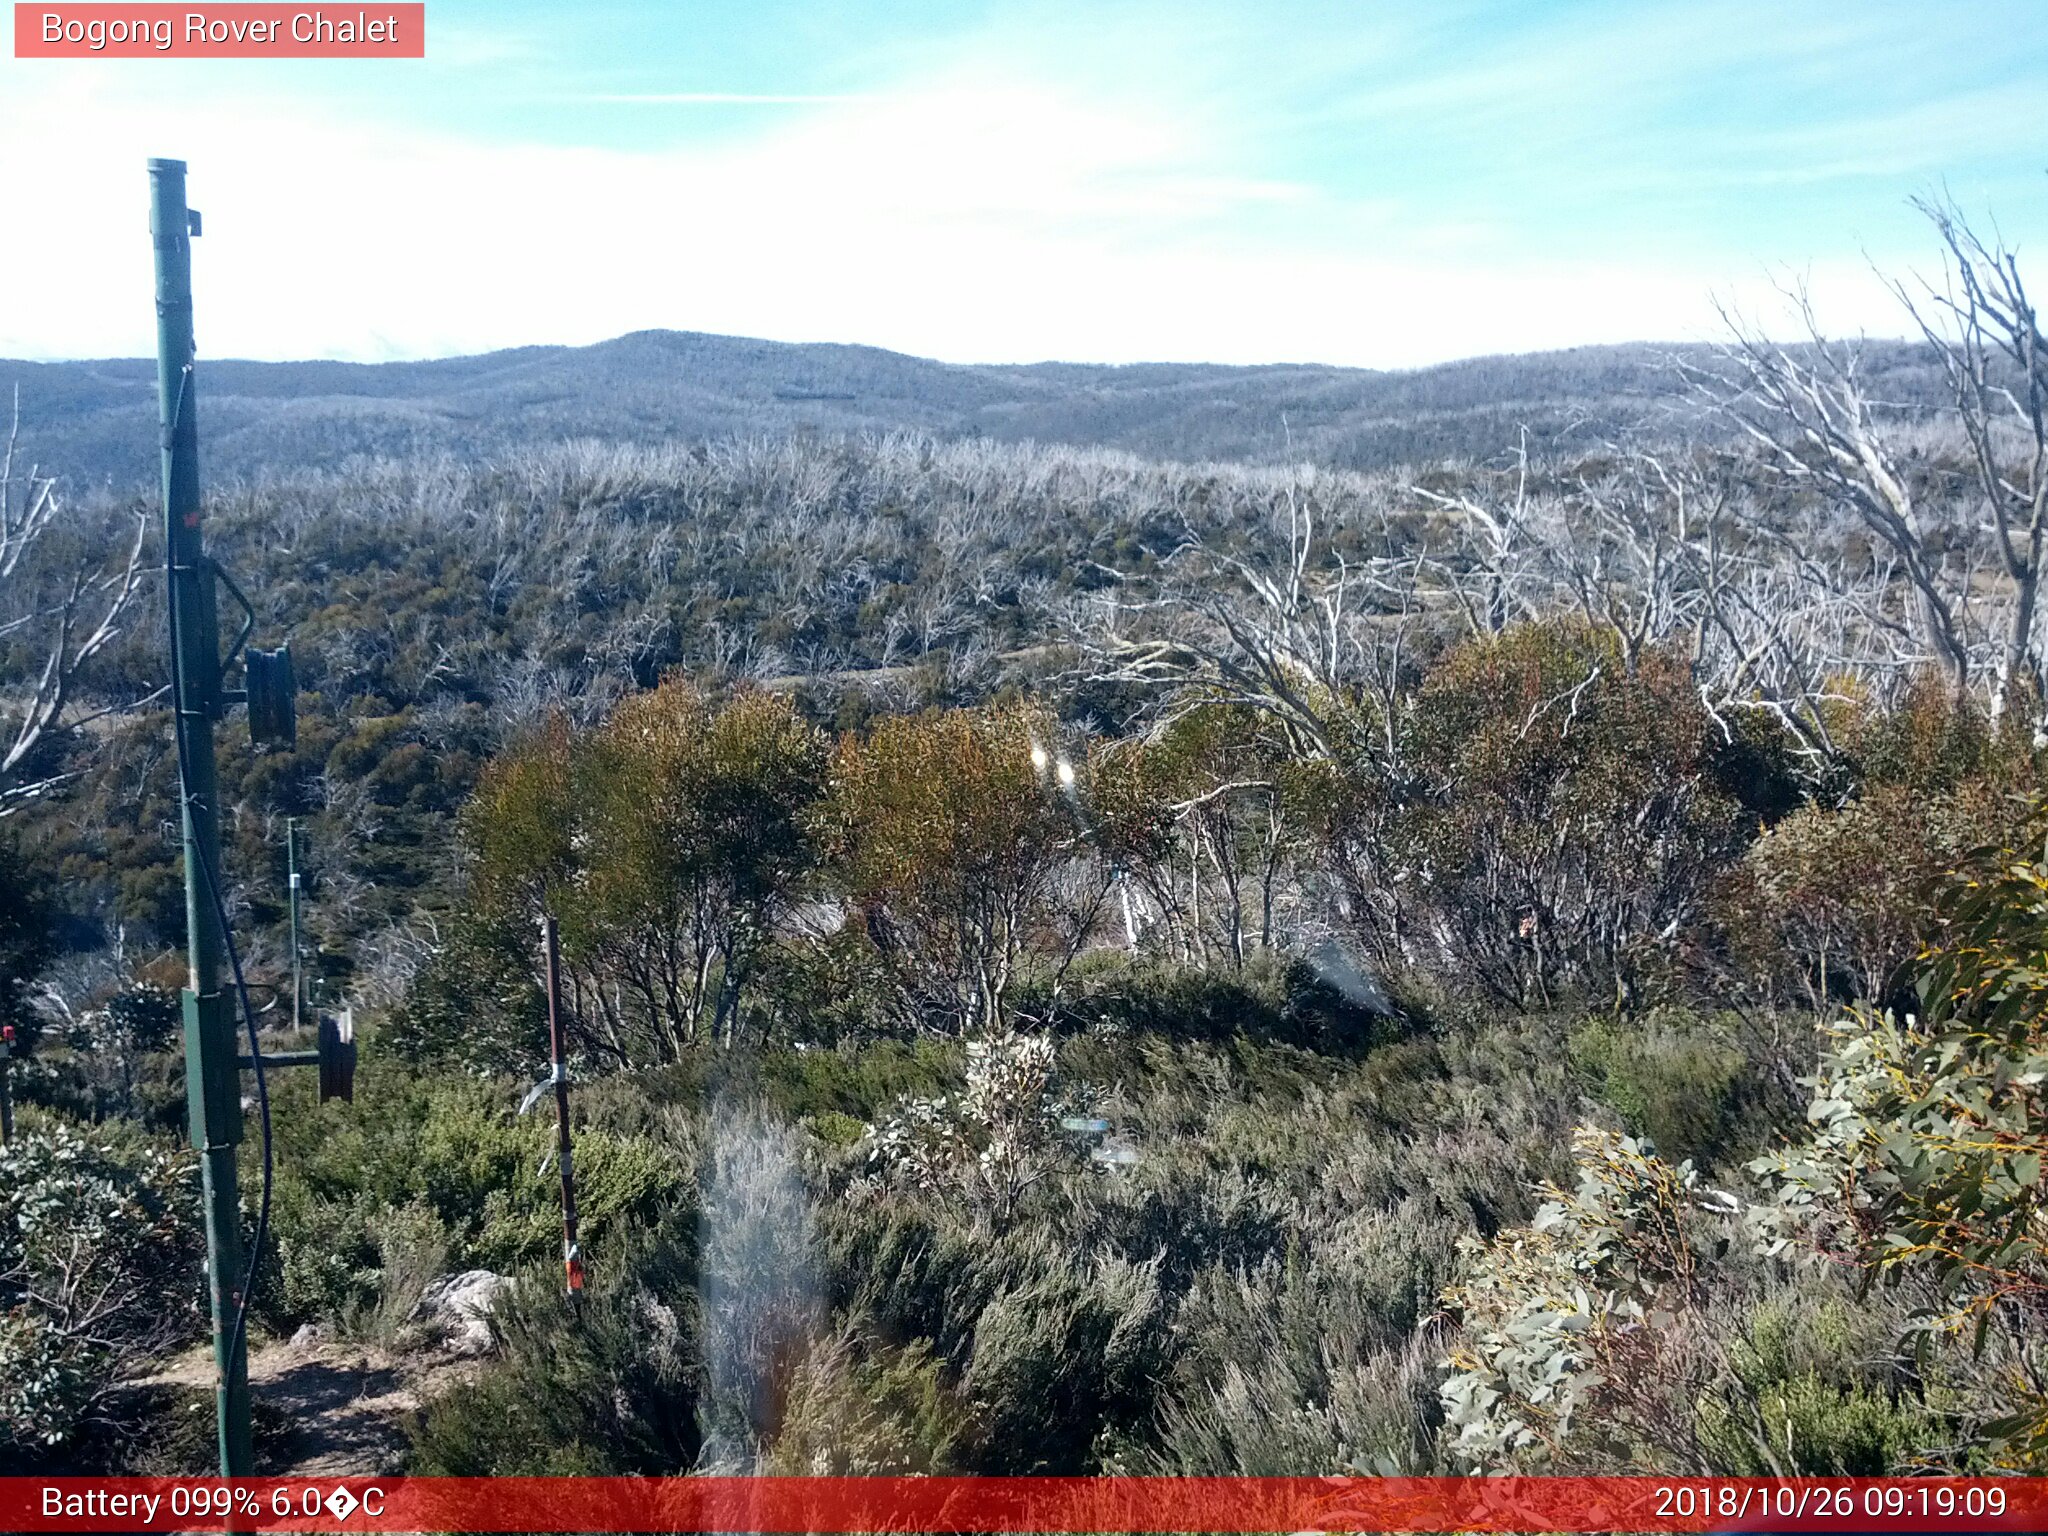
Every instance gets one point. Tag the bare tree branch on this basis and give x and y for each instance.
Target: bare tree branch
(81, 612)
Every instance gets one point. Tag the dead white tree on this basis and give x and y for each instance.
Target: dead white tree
(1499, 548)
(1667, 548)
(1817, 429)
(1774, 624)
(1987, 335)
(1621, 548)
(1286, 625)
(68, 616)
(1604, 536)
(1260, 607)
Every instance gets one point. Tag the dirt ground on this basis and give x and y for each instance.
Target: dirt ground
(343, 1406)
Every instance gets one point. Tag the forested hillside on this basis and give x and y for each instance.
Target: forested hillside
(658, 387)
(1077, 959)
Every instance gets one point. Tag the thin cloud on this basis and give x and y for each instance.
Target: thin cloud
(716, 99)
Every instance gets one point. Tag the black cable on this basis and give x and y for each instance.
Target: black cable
(238, 1336)
(262, 1233)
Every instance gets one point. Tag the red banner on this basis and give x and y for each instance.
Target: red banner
(375, 31)
(1024, 1504)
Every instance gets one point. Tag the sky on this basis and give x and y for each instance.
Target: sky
(1233, 181)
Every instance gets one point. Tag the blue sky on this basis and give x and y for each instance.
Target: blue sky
(1332, 180)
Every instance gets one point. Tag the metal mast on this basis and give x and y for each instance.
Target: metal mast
(212, 1082)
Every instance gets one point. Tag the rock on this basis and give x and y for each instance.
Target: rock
(461, 1305)
(310, 1336)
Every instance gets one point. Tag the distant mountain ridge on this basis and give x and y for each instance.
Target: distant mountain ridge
(94, 422)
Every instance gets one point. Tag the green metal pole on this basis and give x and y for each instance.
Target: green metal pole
(212, 1084)
(291, 864)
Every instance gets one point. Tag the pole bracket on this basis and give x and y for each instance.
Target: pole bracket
(335, 1057)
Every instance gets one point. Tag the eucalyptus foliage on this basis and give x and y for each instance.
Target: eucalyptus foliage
(1562, 1317)
(91, 1224)
(1928, 1135)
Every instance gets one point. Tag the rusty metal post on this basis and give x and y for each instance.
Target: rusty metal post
(572, 1254)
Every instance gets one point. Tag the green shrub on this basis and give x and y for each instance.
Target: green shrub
(1060, 1359)
(862, 1081)
(1928, 1138)
(1832, 905)
(620, 1182)
(470, 1175)
(98, 1268)
(474, 1004)
(1829, 1397)
(1270, 998)
(1568, 814)
(1672, 1080)
(323, 1260)
(836, 1129)
(860, 1408)
(609, 1388)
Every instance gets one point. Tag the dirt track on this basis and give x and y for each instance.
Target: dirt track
(346, 1403)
